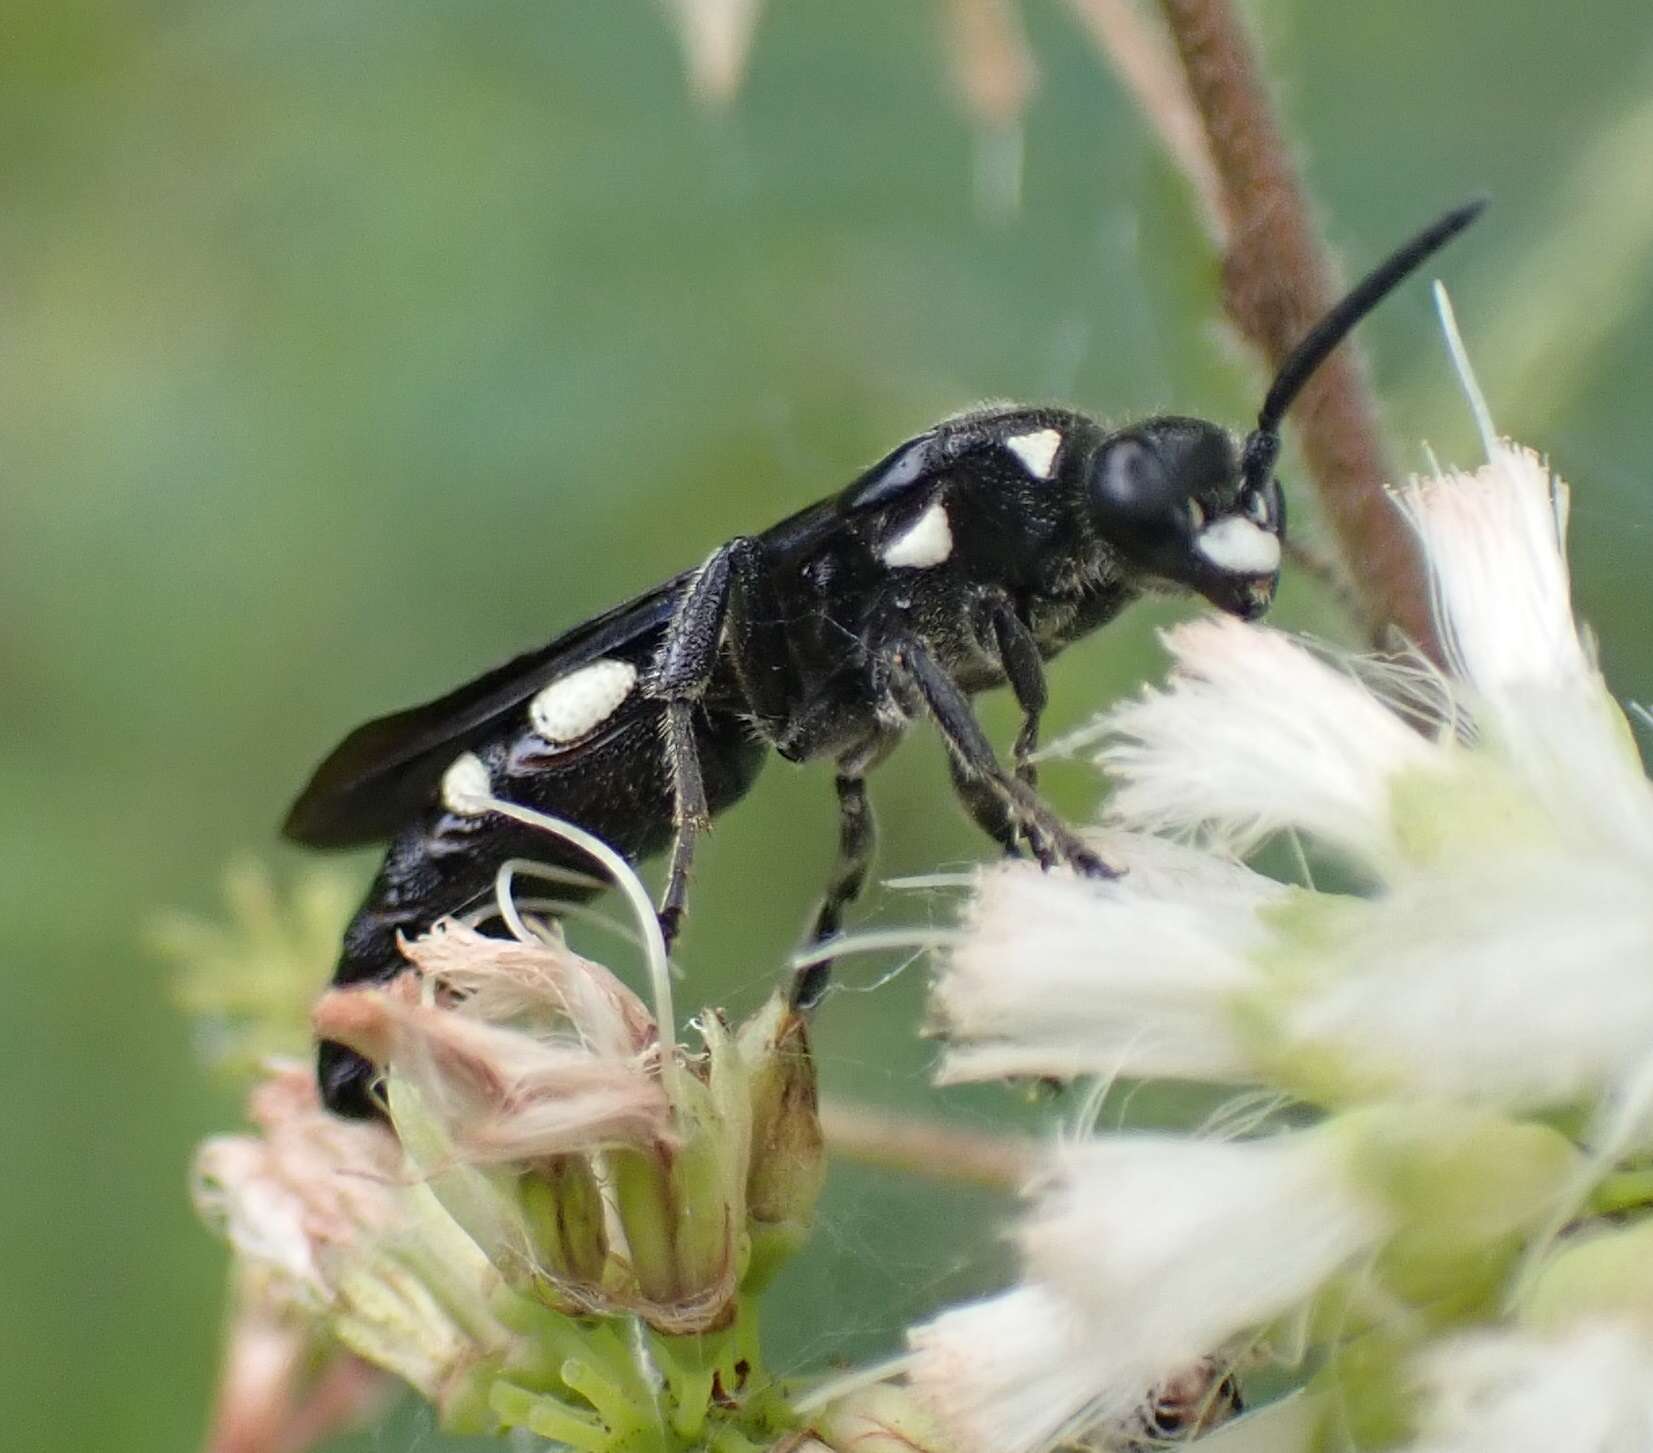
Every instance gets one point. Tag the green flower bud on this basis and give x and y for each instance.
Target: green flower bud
(881, 1418)
(1604, 1273)
(1461, 1186)
(562, 1211)
(788, 1160)
(682, 1204)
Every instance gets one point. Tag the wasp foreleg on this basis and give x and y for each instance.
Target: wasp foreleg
(974, 754)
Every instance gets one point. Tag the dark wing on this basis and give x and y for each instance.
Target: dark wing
(383, 773)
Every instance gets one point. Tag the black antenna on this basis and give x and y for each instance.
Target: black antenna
(1262, 445)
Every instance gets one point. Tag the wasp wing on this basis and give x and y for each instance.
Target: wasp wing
(383, 773)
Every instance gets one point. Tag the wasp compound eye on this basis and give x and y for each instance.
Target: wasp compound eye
(1129, 483)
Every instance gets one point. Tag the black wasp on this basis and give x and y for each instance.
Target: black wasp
(964, 559)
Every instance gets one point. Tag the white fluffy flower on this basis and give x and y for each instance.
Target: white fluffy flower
(1518, 985)
(1499, 811)
(1172, 1246)
(1156, 994)
(1588, 1391)
(1495, 541)
(1010, 1373)
(1497, 962)
(1254, 734)
(1144, 1254)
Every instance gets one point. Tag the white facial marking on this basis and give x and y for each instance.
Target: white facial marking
(1234, 545)
(1196, 513)
(465, 786)
(1036, 450)
(927, 541)
(574, 704)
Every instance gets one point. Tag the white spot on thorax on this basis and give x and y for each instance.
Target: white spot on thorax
(575, 704)
(1036, 450)
(1235, 545)
(927, 541)
(465, 786)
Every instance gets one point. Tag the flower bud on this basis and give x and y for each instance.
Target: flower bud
(683, 1205)
(880, 1419)
(1460, 1187)
(1604, 1273)
(788, 1162)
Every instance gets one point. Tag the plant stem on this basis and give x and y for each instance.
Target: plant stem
(893, 1141)
(1277, 281)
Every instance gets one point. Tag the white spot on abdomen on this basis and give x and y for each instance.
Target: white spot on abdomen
(1235, 545)
(577, 703)
(465, 786)
(1036, 450)
(927, 541)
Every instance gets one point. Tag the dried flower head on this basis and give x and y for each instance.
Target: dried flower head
(323, 1214)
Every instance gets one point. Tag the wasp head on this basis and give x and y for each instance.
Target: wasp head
(1171, 496)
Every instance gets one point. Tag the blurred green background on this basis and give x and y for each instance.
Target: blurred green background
(347, 346)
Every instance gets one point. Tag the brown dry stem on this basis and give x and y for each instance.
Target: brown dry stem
(1277, 276)
(893, 1141)
(1277, 281)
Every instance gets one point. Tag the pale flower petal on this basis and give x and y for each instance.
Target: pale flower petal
(1495, 540)
(501, 981)
(500, 1094)
(1023, 1371)
(1255, 734)
(310, 1180)
(1590, 1391)
(1016, 1373)
(1063, 977)
(717, 40)
(1522, 985)
(1172, 1246)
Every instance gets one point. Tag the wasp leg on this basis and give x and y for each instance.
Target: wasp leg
(857, 840)
(682, 672)
(733, 587)
(974, 753)
(986, 807)
(1025, 670)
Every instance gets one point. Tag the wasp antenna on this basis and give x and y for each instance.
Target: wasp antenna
(1263, 445)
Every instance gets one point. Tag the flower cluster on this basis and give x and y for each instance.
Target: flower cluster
(1449, 1064)
(563, 1220)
